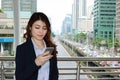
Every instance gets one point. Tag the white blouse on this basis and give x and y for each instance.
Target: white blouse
(43, 73)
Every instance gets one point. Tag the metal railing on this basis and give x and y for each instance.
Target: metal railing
(79, 69)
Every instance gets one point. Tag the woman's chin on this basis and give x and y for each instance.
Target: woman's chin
(40, 39)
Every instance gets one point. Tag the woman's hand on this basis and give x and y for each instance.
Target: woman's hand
(41, 59)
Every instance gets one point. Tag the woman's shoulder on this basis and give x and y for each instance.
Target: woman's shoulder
(25, 44)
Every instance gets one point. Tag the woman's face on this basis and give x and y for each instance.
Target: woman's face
(38, 30)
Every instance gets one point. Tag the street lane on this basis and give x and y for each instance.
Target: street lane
(63, 53)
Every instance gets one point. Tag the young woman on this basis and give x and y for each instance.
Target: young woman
(32, 61)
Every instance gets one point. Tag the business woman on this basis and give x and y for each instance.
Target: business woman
(32, 61)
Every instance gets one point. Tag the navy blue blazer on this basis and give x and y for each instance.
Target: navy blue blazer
(26, 69)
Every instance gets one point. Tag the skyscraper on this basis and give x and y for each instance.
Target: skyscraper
(27, 7)
(82, 8)
(118, 20)
(79, 11)
(104, 14)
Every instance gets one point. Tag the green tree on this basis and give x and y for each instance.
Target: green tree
(97, 42)
(81, 37)
(1, 11)
(53, 35)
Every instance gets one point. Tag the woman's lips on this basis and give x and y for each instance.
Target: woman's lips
(40, 35)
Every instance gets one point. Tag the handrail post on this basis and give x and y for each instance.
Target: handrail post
(78, 70)
(2, 71)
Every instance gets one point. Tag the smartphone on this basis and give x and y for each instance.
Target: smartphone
(50, 49)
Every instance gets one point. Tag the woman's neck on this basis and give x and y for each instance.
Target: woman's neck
(40, 43)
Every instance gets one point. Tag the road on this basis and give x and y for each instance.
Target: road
(63, 53)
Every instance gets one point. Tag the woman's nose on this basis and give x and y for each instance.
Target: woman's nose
(41, 31)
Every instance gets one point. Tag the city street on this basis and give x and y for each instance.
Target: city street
(63, 53)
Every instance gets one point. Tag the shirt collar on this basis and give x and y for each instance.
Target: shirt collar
(35, 46)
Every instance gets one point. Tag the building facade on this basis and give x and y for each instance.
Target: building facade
(27, 7)
(104, 14)
(66, 26)
(118, 20)
(79, 11)
(7, 33)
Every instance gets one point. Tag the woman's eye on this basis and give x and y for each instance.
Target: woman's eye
(45, 28)
(37, 27)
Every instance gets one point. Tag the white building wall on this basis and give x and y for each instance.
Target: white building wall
(85, 25)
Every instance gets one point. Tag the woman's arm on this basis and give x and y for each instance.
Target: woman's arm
(24, 71)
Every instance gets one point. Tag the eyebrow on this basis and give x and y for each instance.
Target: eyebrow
(36, 24)
(39, 25)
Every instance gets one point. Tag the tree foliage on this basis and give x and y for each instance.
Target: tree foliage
(1, 11)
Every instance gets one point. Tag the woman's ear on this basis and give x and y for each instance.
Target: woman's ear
(30, 28)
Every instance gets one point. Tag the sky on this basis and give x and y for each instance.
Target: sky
(56, 11)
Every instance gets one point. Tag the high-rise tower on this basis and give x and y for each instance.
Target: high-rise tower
(104, 14)
(27, 7)
(117, 19)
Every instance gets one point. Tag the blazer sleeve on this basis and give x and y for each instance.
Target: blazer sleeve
(54, 73)
(23, 70)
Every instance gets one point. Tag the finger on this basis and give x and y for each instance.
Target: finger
(46, 53)
(49, 56)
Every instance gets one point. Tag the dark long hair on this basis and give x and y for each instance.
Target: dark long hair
(40, 16)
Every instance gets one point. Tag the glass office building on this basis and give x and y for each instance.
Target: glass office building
(104, 14)
(27, 7)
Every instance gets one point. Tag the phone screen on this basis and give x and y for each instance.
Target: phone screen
(50, 49)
